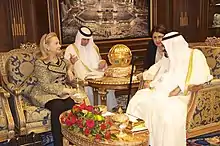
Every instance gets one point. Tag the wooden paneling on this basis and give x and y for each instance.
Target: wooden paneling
(22, 21)
(26, 21)
(18, 25)
(186, 16)
(5, 37)
(42, 22)
(164, 13)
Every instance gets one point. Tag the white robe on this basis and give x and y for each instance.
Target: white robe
(156, 70)
(88, 62)
(164, 116)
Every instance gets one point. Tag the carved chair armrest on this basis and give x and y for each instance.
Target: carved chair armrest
(17, 101)
(195, 88)
(11, 88)
(11, 126)
(215, 82)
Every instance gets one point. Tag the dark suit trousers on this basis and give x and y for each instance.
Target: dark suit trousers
(58, 106)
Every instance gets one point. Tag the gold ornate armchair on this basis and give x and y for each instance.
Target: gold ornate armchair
(6, 120)
(204, 108)
(17, 66)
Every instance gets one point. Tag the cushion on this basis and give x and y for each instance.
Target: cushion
(213, 59)
(19, 68)
(36, 114)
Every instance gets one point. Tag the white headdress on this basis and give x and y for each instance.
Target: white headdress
(84, 33)
(179, 55)
(88, 54)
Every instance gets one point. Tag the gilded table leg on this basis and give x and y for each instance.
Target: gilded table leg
(95, 96)
(65, 142)
(102, 92)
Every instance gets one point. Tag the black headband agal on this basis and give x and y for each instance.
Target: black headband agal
(172, 36)
(85, 34)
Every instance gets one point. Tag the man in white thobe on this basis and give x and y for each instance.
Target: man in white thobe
(164, 105)
(88, 62)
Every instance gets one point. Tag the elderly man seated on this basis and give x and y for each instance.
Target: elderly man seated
(163, 106)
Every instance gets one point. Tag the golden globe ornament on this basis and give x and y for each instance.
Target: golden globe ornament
(120, 56)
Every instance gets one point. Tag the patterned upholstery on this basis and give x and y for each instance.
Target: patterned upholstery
(18, 65)
(213, 58)
(19, 68)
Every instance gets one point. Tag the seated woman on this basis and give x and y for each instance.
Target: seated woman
(155, 48)
(50, 91)
(164, 105)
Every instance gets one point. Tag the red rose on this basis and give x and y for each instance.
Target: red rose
(82, 106)
(73, 119)
(68, 122)
(107, 135)
(90, 123)
(89, 108)
(103, 126)
(70, 114)
(98, 137)
(86, 131)
(76, 108)
(63, 119)
(79, 123)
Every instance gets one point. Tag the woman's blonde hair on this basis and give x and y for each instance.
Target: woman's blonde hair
(44, 41)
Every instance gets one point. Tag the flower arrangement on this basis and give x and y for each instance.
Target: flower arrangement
(88, 120)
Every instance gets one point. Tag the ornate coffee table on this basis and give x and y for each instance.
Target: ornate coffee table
(101, 85)
(138, 139)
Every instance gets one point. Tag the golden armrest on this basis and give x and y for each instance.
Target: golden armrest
(11, 88)
(5, 95)
(195, 88)
(215, 82)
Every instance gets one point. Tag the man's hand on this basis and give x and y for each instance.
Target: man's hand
(73, 59)
(147, 84)
(175, 92)
(102, 64)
